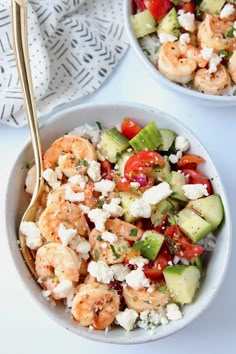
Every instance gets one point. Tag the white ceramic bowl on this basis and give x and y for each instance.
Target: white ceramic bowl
(197, 97)
(16, 202)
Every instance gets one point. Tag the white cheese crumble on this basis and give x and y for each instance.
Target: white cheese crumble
(99, 217)
(32, 234)
(114, 208)
(206, 53)
(109, 237)
(127, 319)
(157, 193)
(181, 143)
(139, 261)
(63, 289)
(135, 185)
(66, 235)
(101, 271)
(227, 11)
(186, 20)
(83, 246)
(104, 186)
(174, 158)
(195, 191)
(164, 321)
(136, 279)
(184, 38)
(80, 180)
(149, 319)
(166, 37)
(94, 171)
(72, 196)
(46, 293)
(139, 208)
(173, 313)
(88, 132)
(85, 209)
(214, 62)
(120, 271)
(58, 172)
(51, 177)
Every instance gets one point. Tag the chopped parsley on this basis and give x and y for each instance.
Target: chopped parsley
(83, 162)
(230, 33)
(99, 125)
(164, 211)
(118, 156)
(96, 255)
(115, 254)
(189, 84)
(133, 232)
(162, 289)
(99, 203)
(172, 246)
(147, 52)
(225, 54)
(125, 248)
(156, 49)
(171, 220)
(99, 238)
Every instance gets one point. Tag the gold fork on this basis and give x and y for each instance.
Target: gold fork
(20, 45)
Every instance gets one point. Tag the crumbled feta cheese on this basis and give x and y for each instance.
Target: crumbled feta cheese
(104, 186)
(136, 279)
(63, 289)
(99, 217)
(135, 185)
(206, 53)
(114, 208)
(84, 256)
(51, 177)
(151, 289)
(184, 38)
(101, 271)
(127, 319)
(214, 62)
(186, 20)
(173, 158)
(120, 271)
(109, 237)
(80, 180)
(94, 171)
(149, 319)
(32, 234)
(195, 191)
(139, 261)
(88, 132)
(83, 246)
(46, 293)
(72, 196)
(104, 245)
(66, 235)
(85, 209)
(167, 37)
(181, 143)
(157, 193)
(164, 320)
(173, 313)
(227, 11)
(139, 208)
(58, 172)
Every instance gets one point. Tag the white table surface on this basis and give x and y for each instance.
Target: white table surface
(24, 330)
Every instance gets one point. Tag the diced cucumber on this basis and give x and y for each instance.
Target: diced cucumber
(160, 210)
(150, 245)
(182, 281)
(126, 200)
(192, 224)
(168, 137)
(169, 24)
(161, 172)
(210, 208)
(176, 181)
(143, 23)
(148, 138)
(112, 143)
(212, 7)
(197, 261)
(122, 161)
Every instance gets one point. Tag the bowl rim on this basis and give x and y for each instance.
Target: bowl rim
(91, 335)
(154, 71)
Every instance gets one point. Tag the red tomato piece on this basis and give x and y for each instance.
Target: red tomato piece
(140, 5)
(129, 128)
(150, 183)
(141, 163)
(195, 177)
(153, 270)
(106, 169)
(190, 158)
(158, 8)
(187, 6)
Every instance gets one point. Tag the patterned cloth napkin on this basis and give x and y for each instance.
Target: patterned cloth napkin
(74, 45)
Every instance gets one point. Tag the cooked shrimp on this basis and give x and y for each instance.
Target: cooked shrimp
(71, 153)
(124, 229)
(95, 305)
(55, 263)
(65, 212)
(212, 33)
(104, 251)
(178, 62)
(141, 300)
(214, 83)
(232, 66)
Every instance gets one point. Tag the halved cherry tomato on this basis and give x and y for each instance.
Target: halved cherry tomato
(129, 128)
(106, 169)
(158, 8)
(195, 177)
(190, 158)
(140, 5)
(153, 270)
(187, 6)
(139, 164)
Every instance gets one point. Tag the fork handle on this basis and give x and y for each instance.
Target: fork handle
(20, 45)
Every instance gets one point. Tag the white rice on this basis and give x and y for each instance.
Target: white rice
(150, 45)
